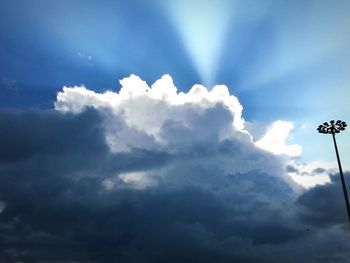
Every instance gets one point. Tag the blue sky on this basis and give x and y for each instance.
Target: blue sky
(284, 60)
(138, 151)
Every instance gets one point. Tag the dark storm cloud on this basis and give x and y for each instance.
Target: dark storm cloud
(324, 204)
(132, 226)
(58, 210)
(24, 134)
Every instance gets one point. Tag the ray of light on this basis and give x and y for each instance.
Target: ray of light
(202, 25)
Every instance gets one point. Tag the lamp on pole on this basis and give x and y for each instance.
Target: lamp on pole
(333, 128)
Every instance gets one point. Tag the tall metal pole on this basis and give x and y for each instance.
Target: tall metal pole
(333, 128)
(342, 177)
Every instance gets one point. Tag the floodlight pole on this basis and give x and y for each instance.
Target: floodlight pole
(346, 197)
(333, 128)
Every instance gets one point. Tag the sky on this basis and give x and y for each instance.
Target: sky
(173, 131)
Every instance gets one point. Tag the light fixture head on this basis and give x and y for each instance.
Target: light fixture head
(332, 128)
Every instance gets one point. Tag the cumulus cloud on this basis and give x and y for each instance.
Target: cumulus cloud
(312, 173)
(275, 139)
(138, 115)
(148, 174)
(159, 117)
(330, 210)
(198, 123)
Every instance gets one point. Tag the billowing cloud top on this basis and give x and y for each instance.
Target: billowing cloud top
(159, 118)
(156, 112)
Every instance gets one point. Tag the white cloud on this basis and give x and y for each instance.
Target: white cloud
(159, 118)
(134, 180)
(139, 112)
(311, 174)
(275, 139)
(138, 180)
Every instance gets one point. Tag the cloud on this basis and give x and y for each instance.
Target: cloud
(148, 174)
(312, 173)
(206, 126)
(331, 210)
(275, 139)
(2, 206)
(27, 134)
(137, 114)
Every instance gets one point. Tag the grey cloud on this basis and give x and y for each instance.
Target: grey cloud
(324, 204)
(319, 170)
(291, 169)
(57, 209)
(24, 134)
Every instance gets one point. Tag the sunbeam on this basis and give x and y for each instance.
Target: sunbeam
(202, 25)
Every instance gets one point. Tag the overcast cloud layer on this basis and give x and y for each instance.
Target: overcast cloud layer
(152, 175)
